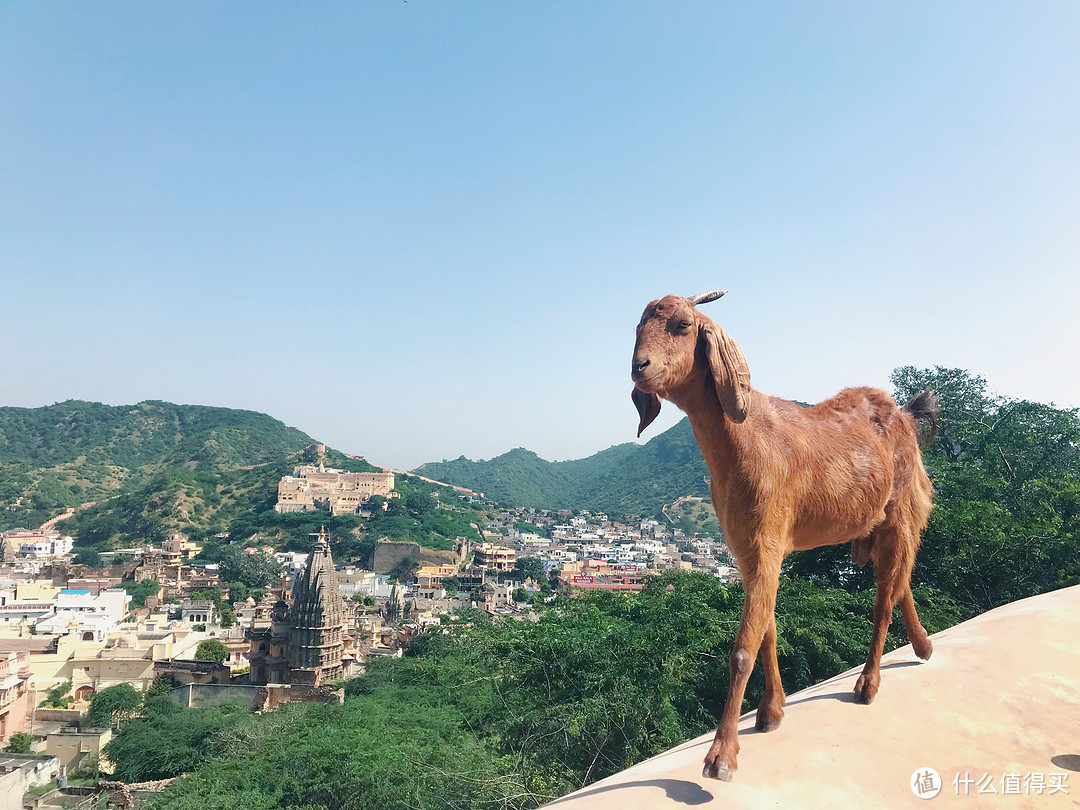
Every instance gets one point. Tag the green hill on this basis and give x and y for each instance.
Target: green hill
(146, 434)
(155, 468)
(625, 478)
(67, 454)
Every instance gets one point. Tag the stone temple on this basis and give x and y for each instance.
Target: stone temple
(305, 637)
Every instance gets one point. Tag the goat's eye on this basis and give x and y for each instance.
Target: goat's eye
(684, 325)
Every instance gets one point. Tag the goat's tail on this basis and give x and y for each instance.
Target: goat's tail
(924, 405)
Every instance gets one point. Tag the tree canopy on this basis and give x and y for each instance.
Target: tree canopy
(211, 650)
(113, 706)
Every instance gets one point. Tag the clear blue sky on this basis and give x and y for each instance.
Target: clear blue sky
(419, 230)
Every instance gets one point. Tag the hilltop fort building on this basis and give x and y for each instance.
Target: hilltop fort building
(309, 487)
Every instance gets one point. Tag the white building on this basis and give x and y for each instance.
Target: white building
(294, 561)
(38, 544)
(15, 611)
(92, 617)
(352, 581)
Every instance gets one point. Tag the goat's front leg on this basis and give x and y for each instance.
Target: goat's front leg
(759, 604)
(771, 709)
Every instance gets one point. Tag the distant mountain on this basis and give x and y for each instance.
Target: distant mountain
(625, 478)
(66, 454)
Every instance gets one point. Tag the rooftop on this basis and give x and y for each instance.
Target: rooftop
(1000, 697)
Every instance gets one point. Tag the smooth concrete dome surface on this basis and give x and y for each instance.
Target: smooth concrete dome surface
(991, 720)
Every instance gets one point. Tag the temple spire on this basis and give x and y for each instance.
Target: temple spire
(318, 616)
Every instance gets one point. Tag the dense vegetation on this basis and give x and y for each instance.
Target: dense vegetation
(506, 715)
(632, 478)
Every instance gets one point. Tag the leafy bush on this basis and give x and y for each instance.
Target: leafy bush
(20, 743)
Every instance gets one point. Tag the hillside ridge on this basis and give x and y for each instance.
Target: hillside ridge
(623, 478)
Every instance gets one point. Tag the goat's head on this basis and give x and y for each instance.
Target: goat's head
(675, 342)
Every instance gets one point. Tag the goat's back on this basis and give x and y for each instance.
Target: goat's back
(836, 468)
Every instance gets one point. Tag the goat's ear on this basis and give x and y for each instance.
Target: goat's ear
(729, 370)
(648, 406)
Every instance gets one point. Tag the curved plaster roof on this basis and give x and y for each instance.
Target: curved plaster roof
(1000, 696)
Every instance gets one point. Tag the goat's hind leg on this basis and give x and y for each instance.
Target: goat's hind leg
(916, 633)
(893, 572)
(893, 556)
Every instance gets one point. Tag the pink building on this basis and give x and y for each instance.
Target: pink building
(14, 675)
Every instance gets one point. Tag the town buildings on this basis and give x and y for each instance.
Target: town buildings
(494, 557)
(178, 549)
(14, 683)
(43, 608)
(72, 745)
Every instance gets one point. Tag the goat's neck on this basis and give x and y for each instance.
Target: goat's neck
(726, 446)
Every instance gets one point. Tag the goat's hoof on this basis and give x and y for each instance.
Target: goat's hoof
(768, 720)
(720, 761)
(924, 648)
(719, 771)
(865, 689)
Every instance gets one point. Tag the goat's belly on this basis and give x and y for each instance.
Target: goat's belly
(808, 537)
(841, 502)
(813, 531)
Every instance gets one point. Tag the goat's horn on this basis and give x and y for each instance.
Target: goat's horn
(706, 297)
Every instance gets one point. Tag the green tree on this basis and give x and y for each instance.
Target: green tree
(140, 591)
(58, 696)
(87, 556)
(530, 568)
(113, 706)
(256, 570)
(419, 503)
(20, 743)
(211, 650)
(238, 592)
(170, 740)
(162, 685)
(451, 585)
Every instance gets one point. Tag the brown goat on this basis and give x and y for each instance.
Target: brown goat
(788, 478)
